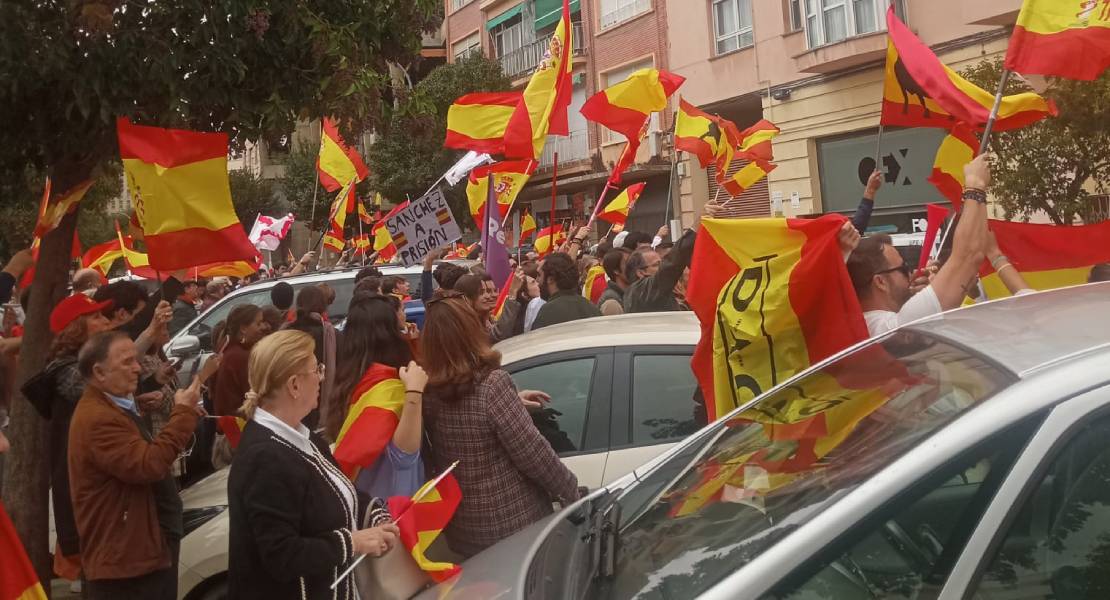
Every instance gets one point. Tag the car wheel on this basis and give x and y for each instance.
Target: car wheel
(217, 591)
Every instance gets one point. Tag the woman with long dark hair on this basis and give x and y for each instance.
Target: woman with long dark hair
(473, 414)
(244, 328)
(373, 347)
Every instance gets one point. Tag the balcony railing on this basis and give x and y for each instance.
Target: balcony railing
(576, 146)
(525, 59)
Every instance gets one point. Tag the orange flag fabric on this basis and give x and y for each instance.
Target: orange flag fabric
(548, 239)
(1061, 39)
(543, 108)
(375, 411)
(617, 210)
(595, 284)
(957, 149)
(478, 121)
(18, 580)
(773, 297)
(1047, 256)
(747, 176)
(179, 188)
(624, 106)
(920, 91)
(527, 227)
(422, 521)
(338, 163)
(509, 178)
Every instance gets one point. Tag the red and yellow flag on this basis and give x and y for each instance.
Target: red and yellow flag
(527, 227)
(625, 106)
(957, 149)
(179, 188)
(617, 210)
(375, 411)
(338, 163)
(509, 178)
(935, 214)
(747, 176)
(595, 284)
(755, 141)
(234, 268)
(1061, 39)
(549, 239)
(344, 204)
(18, 580)
(232, 428)
(502, 296)
(422, 521)
(543, 107)
(52, 211)
(478, 121)
(698, 133)
(920, 91)
(628, 155)
(383, 240)
(773, 297)
(102, 256)
(1047, 256)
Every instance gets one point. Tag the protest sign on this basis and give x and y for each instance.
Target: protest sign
(426, 224)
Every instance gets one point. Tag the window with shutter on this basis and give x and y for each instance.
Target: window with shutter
(754, 202)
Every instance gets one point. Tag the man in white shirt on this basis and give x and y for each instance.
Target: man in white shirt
(882, 278)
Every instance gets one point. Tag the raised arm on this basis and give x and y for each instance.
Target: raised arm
(1007, 272)
(862, 217)
(969, 239)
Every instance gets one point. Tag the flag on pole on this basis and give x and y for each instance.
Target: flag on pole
(179, 188)
(527, 227)
(1061, 39)
(628, 155)
(232, 428)
(921, 91)
(338, 163)
(375, 411)
(755, 141)
(477, 121)
(383, 240)
(463, 167)
(543, 244)
(420, 523)
(1047, 256)
(509, 178)
(773, 297)
(595, 284)
(52, 211)
(18, 580)
(936, 214)
(502, 296)
(344, 203)
(623, 107)
(543, 108)
(267, 232)
(138, 263)
(957, 149)
(747, 176)
(101, 257)
(617, 210)
(698, 133)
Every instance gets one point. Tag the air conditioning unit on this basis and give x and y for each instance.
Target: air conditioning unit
(655, 135)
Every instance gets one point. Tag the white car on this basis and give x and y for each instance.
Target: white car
(622, 393)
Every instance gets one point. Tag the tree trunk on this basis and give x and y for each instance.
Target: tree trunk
(27, 465)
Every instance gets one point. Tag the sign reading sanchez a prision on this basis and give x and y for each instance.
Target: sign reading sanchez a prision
(423, 226)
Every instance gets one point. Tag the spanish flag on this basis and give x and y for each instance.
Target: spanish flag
(343, 205)
(617, 210)
(628, 155)
(549, 239)
(773, 297)
(478, 121)
(422, 521)
(179, 188)
(1061, 39)
(18, 580)
(920, 91)
(509, 178)
(527, 227)
(338, 163)
(52, 211)
(375, 411)
(755, 141)
(138, 263)
(361, 244)
(698, 133)
(543, 107)
(102, 256)
(383, 240)
(232, 428)
(748, 176)
(957, 149)
(595, 284)
(502, 297)
(233, 268)
(625, 106)
(1047, 256)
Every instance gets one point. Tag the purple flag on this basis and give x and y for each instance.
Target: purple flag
(493, 241)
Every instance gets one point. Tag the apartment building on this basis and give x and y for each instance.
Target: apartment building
(814, 68)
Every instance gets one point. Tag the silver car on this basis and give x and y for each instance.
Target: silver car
(961, 456)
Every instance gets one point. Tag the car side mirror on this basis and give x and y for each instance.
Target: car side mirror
(186, 345)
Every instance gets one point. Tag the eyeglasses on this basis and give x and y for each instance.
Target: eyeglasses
(320, 370)
(902, 268)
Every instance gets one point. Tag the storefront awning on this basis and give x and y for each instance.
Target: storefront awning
(549, 11)
(505, 16)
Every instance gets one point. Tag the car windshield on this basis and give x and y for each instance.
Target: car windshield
(748, 482)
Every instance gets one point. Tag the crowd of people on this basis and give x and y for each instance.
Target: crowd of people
(121, 428)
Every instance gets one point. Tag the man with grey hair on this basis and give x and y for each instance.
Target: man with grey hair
(651, 279)
(86, 281)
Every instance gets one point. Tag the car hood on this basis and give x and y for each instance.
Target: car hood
(210, 491)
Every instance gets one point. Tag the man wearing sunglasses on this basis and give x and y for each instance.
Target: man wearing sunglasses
(882, 278)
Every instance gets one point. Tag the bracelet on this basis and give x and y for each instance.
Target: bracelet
(999, 269)
(977, 195)
(414, 392)
(999, 259)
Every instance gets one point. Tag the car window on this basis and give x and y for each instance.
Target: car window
(751, 480)
(912, 545)
(663, 389)
(344, 289)
(568, 382)
(1058, 547)
(202, 329)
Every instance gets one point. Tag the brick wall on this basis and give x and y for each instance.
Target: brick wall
(462, 23)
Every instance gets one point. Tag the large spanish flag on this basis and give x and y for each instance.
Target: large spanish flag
(748, 176)
(549, 239)
(338, 163)
(509, 178)
(477, 121)
(773, 297)
(595, 284)
(1061, 39)
(698, 133)
(422, 521)
(375, 411)
(182, 199)
(623, 107)
(921, 91)
(543, 107)
(1047, 256)
(957, 149)
(617, 210)
(18, 580)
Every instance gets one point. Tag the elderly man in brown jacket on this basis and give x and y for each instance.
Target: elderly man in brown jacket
(125, 500)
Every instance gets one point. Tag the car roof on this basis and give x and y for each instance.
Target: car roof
(661, 329)
(334, 274)
(1025, 333)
